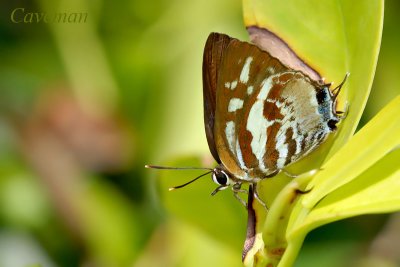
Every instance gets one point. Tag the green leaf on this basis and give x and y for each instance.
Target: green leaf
(374, 191)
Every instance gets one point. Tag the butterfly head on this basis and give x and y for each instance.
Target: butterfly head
(222, 178)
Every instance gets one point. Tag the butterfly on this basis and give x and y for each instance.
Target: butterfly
(259, 115)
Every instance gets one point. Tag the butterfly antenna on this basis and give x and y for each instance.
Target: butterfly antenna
(337, 89)
(191, 181)
(175, 168)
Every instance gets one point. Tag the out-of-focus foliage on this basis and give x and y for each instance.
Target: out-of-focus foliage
(84, 106)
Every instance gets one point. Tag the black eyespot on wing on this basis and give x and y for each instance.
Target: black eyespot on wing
(321, 96)
(332, 124)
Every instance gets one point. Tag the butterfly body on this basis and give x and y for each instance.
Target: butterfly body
(260, 115)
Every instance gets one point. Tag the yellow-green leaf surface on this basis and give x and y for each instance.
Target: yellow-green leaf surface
(363, 177)
(374, 191)
(333, 37)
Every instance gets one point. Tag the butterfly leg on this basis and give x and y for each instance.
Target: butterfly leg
(219, 188)
(291, 175)
(257, 196)
(307, 173)
(301, 192)
(236, 188)
(240, 199)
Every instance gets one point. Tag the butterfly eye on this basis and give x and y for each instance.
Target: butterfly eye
(220, 177)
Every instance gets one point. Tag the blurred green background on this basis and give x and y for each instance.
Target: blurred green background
(85, 105)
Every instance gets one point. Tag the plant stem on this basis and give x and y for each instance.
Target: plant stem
(271, 243)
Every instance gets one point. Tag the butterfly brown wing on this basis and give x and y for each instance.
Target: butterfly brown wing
(244, 70)
(213, 53)
(265, 115)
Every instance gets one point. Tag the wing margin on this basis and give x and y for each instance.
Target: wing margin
(214, 52)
